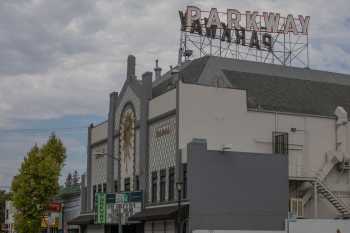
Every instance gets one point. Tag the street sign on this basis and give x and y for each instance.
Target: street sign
(101, 201)
(135, 197)
(111, 198)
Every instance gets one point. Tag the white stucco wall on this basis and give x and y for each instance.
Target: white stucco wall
(300, 226)
(319, 226)
(221, 116)
(162, 104)
(99, 164)
(99, 132)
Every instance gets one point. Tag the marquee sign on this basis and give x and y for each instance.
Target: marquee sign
(116, 208)
(268, 32)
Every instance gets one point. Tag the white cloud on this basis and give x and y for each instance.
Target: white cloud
(62, 58)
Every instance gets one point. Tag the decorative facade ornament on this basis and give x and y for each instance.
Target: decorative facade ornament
(127, 138)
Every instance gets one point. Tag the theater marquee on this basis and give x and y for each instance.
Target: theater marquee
(264, 31)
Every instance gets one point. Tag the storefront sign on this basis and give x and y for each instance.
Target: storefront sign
(248, 29)
(163, 130)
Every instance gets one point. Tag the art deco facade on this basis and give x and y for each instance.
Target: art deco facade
(234, 105)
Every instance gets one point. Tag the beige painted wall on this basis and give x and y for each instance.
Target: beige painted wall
(221, 116)
(99, 132)
(300, 226)
(162, 104)
(99, 164)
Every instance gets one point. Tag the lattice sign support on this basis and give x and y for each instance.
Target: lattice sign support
(266, 37)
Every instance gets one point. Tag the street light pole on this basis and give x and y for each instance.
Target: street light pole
(179, 189)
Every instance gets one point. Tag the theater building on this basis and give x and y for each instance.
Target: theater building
(284, 130)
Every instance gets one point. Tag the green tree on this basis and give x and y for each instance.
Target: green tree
(36, 184)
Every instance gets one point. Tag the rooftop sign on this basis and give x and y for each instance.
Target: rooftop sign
(233, 19)
(259, 30)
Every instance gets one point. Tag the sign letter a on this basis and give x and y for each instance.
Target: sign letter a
(214, 19)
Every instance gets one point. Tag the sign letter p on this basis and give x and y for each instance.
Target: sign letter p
(193, 14)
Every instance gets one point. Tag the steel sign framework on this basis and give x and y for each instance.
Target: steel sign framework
(267, 37)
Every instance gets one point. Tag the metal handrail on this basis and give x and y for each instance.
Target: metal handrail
(332, 194)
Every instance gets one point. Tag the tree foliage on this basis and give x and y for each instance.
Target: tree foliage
(36, 184)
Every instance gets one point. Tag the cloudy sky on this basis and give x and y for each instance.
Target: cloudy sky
(59, 60)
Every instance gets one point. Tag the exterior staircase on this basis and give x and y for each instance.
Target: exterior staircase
(342, 208)
(332, 159)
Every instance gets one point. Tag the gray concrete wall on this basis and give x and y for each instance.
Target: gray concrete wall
(236, 190)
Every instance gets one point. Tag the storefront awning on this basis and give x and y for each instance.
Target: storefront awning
(82, 220)
(159, 213)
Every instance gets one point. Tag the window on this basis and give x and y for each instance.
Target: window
(154, 187)
(184, 177)
(94, 196)
(137, 181)
(115, 186)
(99, 188)
(7, 214)
(104, 187)
(127, 184)
(162, 184)
(171, 183)
(280, 143)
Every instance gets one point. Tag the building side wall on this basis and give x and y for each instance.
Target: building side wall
(221, 116)
(162, 104)
(236, 190)
(319, 226)
(299, 226)
(99, 132)
(71, 210)
(162, 151)
(99, 164)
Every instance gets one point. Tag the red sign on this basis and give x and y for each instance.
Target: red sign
(55, 207)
